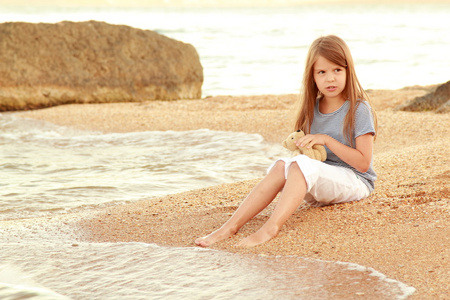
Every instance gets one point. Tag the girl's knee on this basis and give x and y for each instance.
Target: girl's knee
(295, 171)
(294, 168)
(278, 168)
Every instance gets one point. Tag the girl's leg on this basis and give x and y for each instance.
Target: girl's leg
(292, 196)
(258, 199)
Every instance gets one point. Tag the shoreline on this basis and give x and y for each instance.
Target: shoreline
(401, 230)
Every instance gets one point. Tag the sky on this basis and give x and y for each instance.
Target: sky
(190, 3)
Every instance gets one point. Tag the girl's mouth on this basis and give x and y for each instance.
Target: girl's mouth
(331, 88)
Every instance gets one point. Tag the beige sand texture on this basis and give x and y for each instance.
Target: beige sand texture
(401, 230)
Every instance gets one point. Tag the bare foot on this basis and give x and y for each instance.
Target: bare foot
(214, 237)
(263, 235)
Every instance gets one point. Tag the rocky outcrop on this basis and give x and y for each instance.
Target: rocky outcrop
(43, 65)
(444, 108)
(438, 100)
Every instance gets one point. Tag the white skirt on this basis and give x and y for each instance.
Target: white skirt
(327, 184)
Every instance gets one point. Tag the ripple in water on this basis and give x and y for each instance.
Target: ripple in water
(49, 257)
(47, 168)
(144, 271)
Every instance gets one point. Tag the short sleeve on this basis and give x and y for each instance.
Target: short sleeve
(364, 120)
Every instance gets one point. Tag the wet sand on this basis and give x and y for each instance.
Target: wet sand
(401, 230)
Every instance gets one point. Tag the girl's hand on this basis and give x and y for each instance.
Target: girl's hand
(310, 140)
(359, 157)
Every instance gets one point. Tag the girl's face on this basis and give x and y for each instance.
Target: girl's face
(330, 79)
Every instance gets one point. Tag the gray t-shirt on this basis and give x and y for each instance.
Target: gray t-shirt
(332, 124)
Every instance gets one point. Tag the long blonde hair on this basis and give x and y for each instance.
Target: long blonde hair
(335, 50)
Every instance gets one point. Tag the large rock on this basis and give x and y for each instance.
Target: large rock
(43, 65)
(438, 100)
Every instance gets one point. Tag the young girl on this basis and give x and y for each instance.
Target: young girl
(334, 112)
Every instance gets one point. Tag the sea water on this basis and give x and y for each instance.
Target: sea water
(48, 171)
(262, 50)
(46, 168)
(45, 261)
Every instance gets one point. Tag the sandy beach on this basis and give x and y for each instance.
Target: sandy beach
(401, 230)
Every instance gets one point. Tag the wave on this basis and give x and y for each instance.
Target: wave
(49, 168)
(15, 285)
(147, 271)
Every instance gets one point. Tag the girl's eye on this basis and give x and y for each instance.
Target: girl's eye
(338, 70)
(321, 72)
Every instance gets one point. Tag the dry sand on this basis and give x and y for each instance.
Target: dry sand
(401, 230)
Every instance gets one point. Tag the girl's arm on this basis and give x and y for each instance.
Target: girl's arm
(358, 158)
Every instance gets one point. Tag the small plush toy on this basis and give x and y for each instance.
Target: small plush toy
(316, 152)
